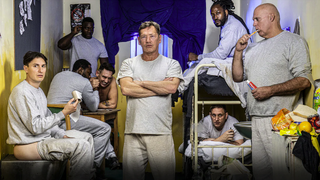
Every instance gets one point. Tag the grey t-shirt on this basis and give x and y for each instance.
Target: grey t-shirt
(62, 85)
(273, 61)
(88, 49)
(206, 128)
(29, 119)
(149, 115)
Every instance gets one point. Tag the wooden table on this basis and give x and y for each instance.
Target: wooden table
(105, 115)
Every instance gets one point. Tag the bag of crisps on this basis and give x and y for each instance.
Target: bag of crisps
(280, 120)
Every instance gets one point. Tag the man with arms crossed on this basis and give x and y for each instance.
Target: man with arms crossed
(34, 130)
(218, 126)
(148, 81)
(280, 67)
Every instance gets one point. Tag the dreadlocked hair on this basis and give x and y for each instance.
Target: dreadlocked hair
(225, 4)
(229, 6)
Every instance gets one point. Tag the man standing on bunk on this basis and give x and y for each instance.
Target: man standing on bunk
(280, 67)
(148, 81)
(232, 28)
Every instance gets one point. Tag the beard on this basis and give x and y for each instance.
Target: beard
(85, 75)
(221, 22)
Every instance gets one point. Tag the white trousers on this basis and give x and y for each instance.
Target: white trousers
(140, 149)
(78, 148)
(262, 148)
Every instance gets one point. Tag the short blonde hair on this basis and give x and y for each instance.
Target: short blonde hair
(148, 24)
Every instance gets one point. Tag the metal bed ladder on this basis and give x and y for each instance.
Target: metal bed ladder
(196, 102)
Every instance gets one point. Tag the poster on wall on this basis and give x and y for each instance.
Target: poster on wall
(78, 12)
(27, 28)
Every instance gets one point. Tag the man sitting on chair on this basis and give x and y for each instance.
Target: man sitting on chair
(34, 130)
(60, 91)
(108, 91)
(218, 126)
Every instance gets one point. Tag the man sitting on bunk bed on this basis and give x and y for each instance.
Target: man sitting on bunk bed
(232, 28)
(218, 126)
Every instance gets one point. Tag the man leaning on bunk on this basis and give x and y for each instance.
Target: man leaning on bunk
(218, 126)
(34, 130)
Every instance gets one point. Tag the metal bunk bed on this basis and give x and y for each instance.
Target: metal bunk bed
(194, 123)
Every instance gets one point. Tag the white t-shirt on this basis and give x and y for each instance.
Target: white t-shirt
(149, 115)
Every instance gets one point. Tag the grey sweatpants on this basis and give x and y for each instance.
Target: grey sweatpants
(262, 148)
(78, 148)
(101, 136)
(140, 149)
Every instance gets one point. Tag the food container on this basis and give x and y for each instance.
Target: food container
(315, 122)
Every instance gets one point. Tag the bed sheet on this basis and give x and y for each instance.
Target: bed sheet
(224, 70)
(206, 153)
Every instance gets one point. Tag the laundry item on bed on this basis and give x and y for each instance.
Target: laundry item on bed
(223, 69)
(206, 153)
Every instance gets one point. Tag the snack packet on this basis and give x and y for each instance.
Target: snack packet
(287, 131)
(280, 120)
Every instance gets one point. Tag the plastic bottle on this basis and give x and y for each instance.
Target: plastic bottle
(316, 97)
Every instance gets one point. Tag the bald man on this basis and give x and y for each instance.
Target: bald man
(280, 67)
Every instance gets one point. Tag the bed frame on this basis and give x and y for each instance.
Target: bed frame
(194, 122)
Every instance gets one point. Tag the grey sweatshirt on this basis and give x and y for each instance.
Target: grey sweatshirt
(29, 119)
(65, 82)
(274, 61)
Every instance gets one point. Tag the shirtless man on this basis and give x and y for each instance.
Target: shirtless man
(108, 91)
(108, 94)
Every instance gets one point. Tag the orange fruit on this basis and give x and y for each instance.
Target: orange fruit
(305, 126)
